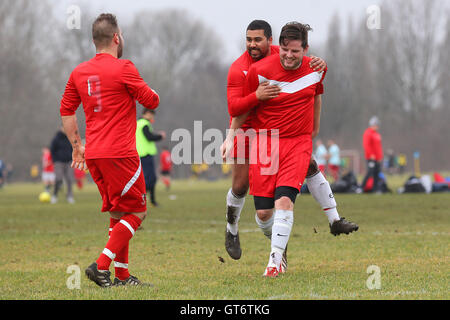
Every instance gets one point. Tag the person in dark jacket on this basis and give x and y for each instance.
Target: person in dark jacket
(61, 151)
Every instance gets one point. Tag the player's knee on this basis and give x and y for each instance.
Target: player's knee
(312, 169)
(240, 190)
(141, 215)
(240, 187)
(264, 215)
(284, 203)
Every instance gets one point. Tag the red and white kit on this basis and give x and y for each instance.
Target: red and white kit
(108, 89)
(238, 103)
(291, 114)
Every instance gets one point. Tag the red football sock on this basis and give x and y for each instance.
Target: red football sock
(121, 260)
(119, 238)
(121, 264)
(112, 223)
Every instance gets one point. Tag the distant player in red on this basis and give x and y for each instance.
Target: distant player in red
(108, 88)
(259, 46)
(165, 164)
(48, 173)
(373, 153)
(80, 176)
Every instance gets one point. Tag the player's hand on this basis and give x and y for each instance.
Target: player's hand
(266, 92)
(226, 147)
(317, 64)
(162, 134)
(78, 160)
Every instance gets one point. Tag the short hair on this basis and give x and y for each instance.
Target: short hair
(145, 110)
(295, 31)
(261, 25)
(103, 29)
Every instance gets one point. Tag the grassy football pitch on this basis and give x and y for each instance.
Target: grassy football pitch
(181, 248)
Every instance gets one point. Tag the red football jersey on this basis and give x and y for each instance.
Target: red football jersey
(372, 145)
(292, 112)
(238, 103)
(108, 88)
(165, 161)
(47, 163)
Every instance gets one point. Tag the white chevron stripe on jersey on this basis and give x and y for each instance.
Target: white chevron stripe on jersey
(297, 85)
(132, 180)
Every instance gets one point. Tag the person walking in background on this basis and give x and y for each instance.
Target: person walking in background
(334, 159)
(165, 164)
(2, 169)
(146, 148)
(48, 173)
(321, 156)
(61, 152)
(373, 152)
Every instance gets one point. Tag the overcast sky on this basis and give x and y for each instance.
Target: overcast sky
(230, 18)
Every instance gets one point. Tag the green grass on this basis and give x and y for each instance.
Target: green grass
(182, 241)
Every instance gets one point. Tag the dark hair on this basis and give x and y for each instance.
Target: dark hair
(145, 110)
(295, 31)
(103, 29)
(261, 25)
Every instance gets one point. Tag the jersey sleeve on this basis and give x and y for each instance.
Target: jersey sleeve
(251, 83)
(137, 87)
(71, 98)
(319, 87)
(238, 102)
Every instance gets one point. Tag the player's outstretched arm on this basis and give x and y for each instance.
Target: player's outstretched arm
(71, 129)
(227, 145)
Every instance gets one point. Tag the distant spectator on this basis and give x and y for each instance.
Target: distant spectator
(146, 148)
(321, 156)
(401, 163)
(2, 174)
(9, 172)
(34, 172)
(334, 159)
(373, 151)
(61, 150)
(48, 173)
(390, 161)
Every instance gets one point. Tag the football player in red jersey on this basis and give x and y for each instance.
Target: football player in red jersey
(108, 87)
(259, 46)
(296, 114)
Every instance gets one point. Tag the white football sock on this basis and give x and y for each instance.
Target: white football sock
(265, 226)
(237, 204)
(320, 189)
(275, 259)
(281, 230)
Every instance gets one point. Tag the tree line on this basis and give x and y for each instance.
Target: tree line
(398, 72)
